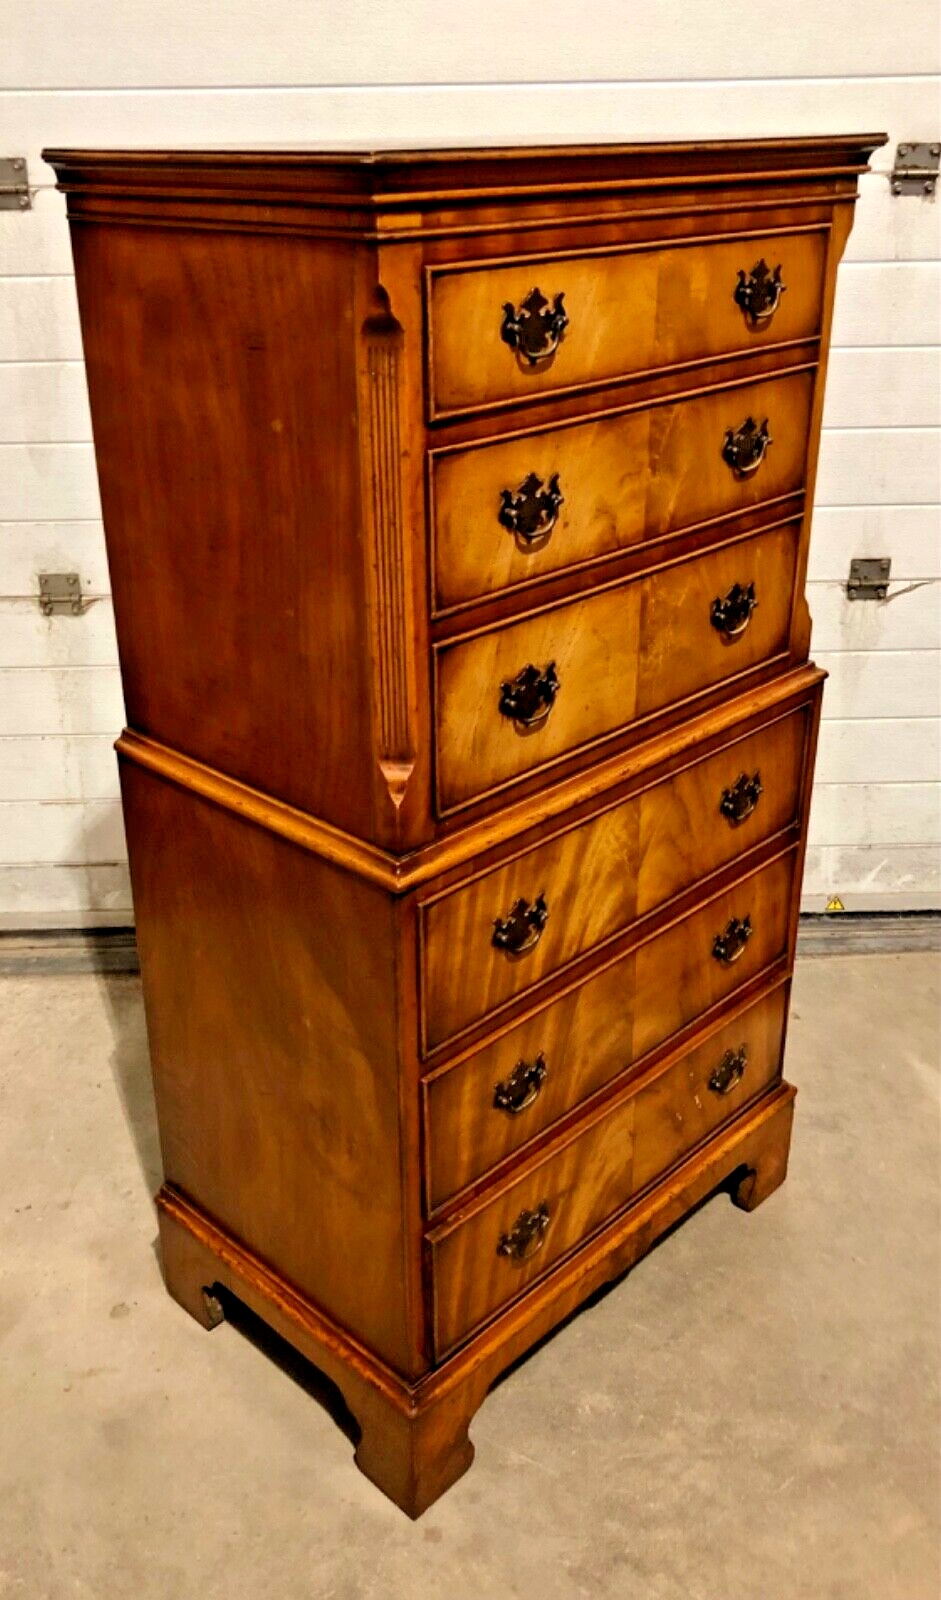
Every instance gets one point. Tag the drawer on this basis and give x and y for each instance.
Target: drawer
(519, 509)
(484, 1108)
(514, 698)
(495, 328)
(589, 882)
(483, 1260)
(688, 1101)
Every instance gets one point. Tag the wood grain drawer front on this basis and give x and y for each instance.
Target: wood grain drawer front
(683, 1105)
(638, 309)
(597, 1030)
(587, 669)
(487, 1260)
(507, 513)
(484, 1259)
(594, 880)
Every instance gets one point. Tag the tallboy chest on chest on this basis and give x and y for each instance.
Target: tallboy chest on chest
(457, 509)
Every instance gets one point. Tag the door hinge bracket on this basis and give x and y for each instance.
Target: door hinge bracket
(916, 169)
(60, 594)
(869, 578)
(14, 184)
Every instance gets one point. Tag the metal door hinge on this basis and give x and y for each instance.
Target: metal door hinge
(60, 594)
(14, 184)
(869, 578)
(916, 169)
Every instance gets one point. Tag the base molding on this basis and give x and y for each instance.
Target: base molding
(414, 1436)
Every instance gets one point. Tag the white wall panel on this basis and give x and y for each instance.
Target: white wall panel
(38, 315)
(888, 302)
(909, 535)
(74, 833)
(879, 388)
(29, 548)
(48, 482)
(38, 895)
(861, 750)
(53, 768)
(678, 107)
(879, 466)
(29, 639)
(61, 700)
(94, 42)
(877, 877)
(909, 619)
(875, 814)
(43, 401)
(881, 683)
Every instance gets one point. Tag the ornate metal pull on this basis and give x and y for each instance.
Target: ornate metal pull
(532, 512)
(740, 800)
(537, 329)
(530, 696)
(731, 614)
(522, 1087)
(527, 1235)
(759, 294)
(730, 1071)
(728, 946)
(521, 929)
(745, 447)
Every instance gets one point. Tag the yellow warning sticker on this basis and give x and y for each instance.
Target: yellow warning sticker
(835, 904)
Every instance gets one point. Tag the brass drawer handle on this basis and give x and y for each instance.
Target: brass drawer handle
(537, 329)
(530, 696)
(759, 293)
(532, 512)
(522, 1087)
(731, 613)
(730, 1071)
(727, 947)
(521, 929)
(745, 447)
(527, 1235)
(740, 800)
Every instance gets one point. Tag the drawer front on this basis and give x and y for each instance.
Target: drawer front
(594, 880)
(625, 311)
(685, 1104)
(485, 1107)
(577, 673)
(482, 1263)
(519, 509)
(485, 1262)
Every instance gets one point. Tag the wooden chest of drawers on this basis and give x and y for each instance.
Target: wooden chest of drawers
(457, 509)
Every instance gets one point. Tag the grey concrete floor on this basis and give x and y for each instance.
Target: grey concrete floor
(752, 1412)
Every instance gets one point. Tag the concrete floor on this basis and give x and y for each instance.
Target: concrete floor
(751, 1413)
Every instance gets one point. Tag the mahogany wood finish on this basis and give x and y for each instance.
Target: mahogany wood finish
(466, 783)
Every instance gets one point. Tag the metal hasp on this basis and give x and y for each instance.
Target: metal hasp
(916, 169)
(869, 578)
(60, 594)
(14, 184)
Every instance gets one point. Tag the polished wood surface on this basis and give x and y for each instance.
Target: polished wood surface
(598, 877)
(680, 1107)
(276, 1083)
(599, 1026)
(619, 655)
(414, 1436)
(305, 419)
(632, 310)
(592, 1173)
(625, 479)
